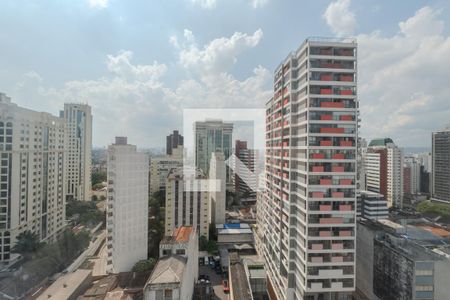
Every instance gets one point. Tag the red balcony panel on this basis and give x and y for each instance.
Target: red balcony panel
(285, 144)
(345, 207)
(326, 117)
(337, 169)
(318, 156)
(330, 221)
(345, 233)
(346, 143)
(346, 53)
(338, 156)
(317, 194)
(346, 78)
(346, 92)
(332, 104)
(345, 182)
(326, 143)
(325, 207)
(337, 246)
(326, 52)
(346, 118)
(316, 259)
(318, 169)
(326, 77)
(286, 101)
(326, 91)
(324, 233)
(332, 130)
(331, 65)
(337, 194)
(337, 259)
(316, 246)
(325, 182)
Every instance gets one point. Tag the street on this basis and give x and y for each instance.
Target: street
(216, 281)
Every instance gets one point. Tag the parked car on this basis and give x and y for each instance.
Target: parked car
(226, 287)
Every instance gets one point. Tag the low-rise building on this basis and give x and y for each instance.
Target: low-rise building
(237, 236)
(177, 269)
(68, 286)
(238, 279)
(373, 206)
(393, 263)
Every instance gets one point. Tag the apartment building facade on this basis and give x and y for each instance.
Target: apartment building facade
(187, 202)
(160, 167)
(78, 162)
(127, 206)
(307, 228)
(441, 165)
(32, 190)
(245, 179)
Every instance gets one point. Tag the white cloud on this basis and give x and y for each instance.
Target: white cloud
(208, 4)
(217, 56)
(423, 24)
(258, 3)
(403, 80)
(339, 18)
(98, 3)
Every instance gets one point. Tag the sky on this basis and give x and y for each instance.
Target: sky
(139, 63)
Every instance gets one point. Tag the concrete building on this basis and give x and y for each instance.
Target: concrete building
(160, 167)
(441, 165)
(394, 265)
(237, 277)
(187, 203)
(212, 136)
(245, 178)
(127, 210)
(173, 140)
(413, 163)
(235, 237)
(309, 211)
(217, 190)
(69, 287)
(177, 269)
(384, 170)
(373, 206)
(32, 189)
(77, 163)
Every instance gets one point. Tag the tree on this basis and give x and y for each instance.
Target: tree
(98, 177)
(27, 243)
(144, 265)
(205, 245)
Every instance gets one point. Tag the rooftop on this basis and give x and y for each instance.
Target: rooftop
(180, 235)
(239, 284)
(168, 269)
(65, 286)
(380, 142)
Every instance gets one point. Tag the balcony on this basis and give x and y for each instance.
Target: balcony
(331, 220)
(324, 233)
(346, 143)
(346, 78)
(337, 246)
(317, 194)
(332, 130)
(338, 156)
(326, 182)
(316, 259)
(318, 169)
(337, 169)
(345, 182)
(326, 77)
(326, 143)
(337, 194)
(316, 247)
(346, 118)
(326, 91)
(346, 92)
(345, 233)
(332, 104)
(326, 117)
(318, 156)
(345, 207)
(325, 207)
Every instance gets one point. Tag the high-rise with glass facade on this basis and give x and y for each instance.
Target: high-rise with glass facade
(79, 147)
(307, 228)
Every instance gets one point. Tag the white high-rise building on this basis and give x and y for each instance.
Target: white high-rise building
(384, 170)
(217, 190)
(127, 210)
(187, 201)
(307, 227)
(160, 167)
(32, 189)
(79, 147)
(414, 165)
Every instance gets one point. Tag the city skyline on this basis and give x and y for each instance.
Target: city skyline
(135, 88)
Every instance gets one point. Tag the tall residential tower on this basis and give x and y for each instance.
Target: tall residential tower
(32, 190)
(79, 147)
(441, 165)
(308, 223)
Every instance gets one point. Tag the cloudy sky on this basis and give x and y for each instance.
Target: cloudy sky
(138, 63)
